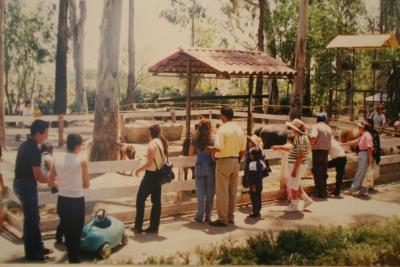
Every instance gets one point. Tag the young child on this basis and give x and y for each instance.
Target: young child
(46, 150)
(254, 172)
(47, 163)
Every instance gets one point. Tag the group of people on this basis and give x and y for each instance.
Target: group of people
(68, 176)
(217, 170)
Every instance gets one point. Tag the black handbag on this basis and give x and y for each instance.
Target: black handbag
(165, 172)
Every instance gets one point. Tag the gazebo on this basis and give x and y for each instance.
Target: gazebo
(372, 42)
(221, 63)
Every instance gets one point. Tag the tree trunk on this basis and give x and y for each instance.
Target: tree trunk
(78, 40)
(383, 6)
(2, 123)
(300, 62)
(105, 134)
(260, 47)
(398, 20)
(131, 55)
(307, 93)
(60, 104)
(271, 49)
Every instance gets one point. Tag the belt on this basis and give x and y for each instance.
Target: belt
(363, 150)
(228, 158)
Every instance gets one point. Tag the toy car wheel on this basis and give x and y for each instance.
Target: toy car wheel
(105, 251)
(124, 240)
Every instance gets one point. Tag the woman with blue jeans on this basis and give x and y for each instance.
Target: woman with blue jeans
(204, 170)
(366, 146)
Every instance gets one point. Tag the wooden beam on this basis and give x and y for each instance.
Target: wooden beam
(250, 106)
(218, 97)
(188, 97)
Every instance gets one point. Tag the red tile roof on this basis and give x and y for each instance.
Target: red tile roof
(222, 62)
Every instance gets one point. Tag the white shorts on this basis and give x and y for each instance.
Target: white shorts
(294, 182)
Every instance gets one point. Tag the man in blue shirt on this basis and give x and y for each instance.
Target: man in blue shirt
(27, 174)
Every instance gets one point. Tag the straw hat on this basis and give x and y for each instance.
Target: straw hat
(296, 124)
(256, 140)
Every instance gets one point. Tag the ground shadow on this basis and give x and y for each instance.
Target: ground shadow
(209, 229)
(60, 246)
(252, 221)
(145, 238)
(298, 215)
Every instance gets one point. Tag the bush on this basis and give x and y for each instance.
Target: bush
(367, 243)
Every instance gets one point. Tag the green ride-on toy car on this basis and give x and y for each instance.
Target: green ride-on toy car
(103, 234)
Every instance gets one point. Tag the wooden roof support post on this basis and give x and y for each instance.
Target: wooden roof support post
(189, 96)
(250, 106)
(352, 86)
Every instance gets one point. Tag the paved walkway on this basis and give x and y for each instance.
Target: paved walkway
(182, 234)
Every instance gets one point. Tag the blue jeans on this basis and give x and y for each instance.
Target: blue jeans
(205, 186)
(28, 196)
(360, 174)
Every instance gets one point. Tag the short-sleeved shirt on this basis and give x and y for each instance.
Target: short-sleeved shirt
(336, 151)
(230, 139)
(365, 141)
(28, 156)
(323, 134)
(379, 120)
(301, 144)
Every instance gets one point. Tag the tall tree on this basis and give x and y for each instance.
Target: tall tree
(78, 40)
(105, 134)
(131, 54)
(29, 43)
(300, 62)
(260, 47)
(271, 50)
(2, 123)
(185, 13)
(60, 104)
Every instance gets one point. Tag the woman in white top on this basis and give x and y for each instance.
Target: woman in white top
(72, 177)
(151, 183)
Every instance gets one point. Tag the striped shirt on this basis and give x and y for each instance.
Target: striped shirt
(301, 144)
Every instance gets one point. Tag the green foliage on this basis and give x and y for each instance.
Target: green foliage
(368, 243)
(180, 12)
(28, 44)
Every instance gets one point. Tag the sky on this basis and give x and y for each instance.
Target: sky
(155, 38)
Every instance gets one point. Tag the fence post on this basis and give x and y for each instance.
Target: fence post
(210, 114)
(173, 115)
(60, 130)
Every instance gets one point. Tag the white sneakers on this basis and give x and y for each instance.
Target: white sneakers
(307, 202)
(293, 207)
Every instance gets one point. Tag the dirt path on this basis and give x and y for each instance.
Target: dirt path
(182, 234)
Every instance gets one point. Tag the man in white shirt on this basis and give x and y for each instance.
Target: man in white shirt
(378, 117)
(338, 161)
